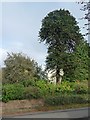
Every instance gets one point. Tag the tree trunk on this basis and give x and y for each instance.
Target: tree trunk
(57, 75)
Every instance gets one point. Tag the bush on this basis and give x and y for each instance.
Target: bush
(65, 99)
(28, 83)
(72, 87)
(12, 92)
(31, 93)
(80, 88)
(30, 89)
(46, 89)
(0, 97)
(43, 87)
(64, 87)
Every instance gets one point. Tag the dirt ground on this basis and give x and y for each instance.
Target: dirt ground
(16, 107)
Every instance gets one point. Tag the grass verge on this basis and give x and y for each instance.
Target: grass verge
(44, 108)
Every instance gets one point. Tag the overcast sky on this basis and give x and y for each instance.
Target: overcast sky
(21, 23)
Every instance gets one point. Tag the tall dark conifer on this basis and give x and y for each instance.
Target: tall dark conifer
(61, 34)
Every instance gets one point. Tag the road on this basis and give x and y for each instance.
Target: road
(69, 113)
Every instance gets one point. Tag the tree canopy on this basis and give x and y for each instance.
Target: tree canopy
(76, 67)
(61, 33)
(19, 67)
(86, 8)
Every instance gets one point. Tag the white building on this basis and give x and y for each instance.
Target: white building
(52, 75)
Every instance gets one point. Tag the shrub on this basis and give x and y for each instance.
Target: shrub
(12, 92)
(31, 92)
(65, 99)
(30, 89)
(80, 88)
(27, 83)
(0, 97)
(72, 87)
(46, 89)
(65, 87)
(43, 87)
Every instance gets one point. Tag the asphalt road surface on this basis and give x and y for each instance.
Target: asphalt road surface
(69, 113)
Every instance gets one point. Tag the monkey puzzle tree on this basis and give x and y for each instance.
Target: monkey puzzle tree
(61, 34)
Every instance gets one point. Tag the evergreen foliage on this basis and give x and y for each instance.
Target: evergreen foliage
(61, 34)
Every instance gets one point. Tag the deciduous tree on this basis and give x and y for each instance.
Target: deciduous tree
(19, 67)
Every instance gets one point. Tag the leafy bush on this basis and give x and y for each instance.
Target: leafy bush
(43, 87)
(12, 92)
(30, 89)
(63, 88)
(28, 83)
(72, 87)
(0, 97)
(31, 92)
(80, 88)
(46, 89)
(65, 99)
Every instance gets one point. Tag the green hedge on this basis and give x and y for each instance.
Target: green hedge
(65, 99)
(12, 92)
(40, 89)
